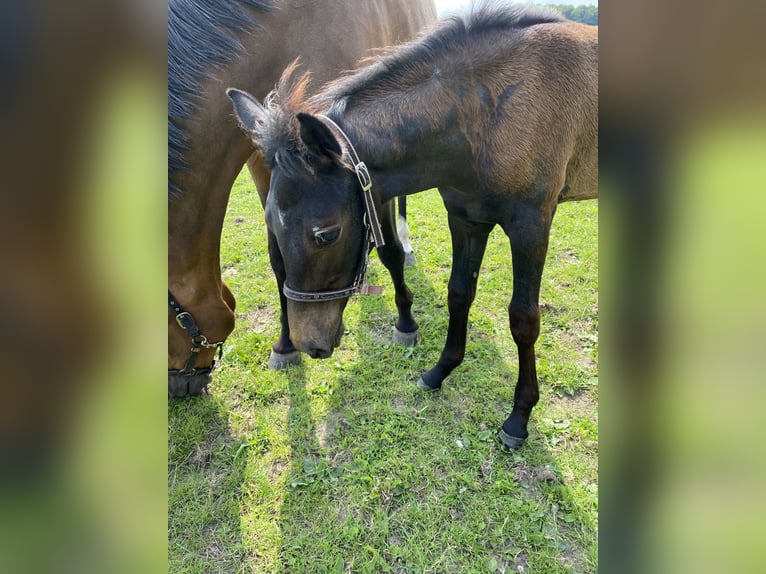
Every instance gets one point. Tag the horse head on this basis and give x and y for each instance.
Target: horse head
(314, 215)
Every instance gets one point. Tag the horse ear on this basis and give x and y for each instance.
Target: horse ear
(250, 113)
(319, 139)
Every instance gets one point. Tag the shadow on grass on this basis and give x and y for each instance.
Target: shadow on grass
(205, 465)
(394, 479)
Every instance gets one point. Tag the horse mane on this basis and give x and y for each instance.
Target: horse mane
(393, 65)
(279, 135)
(201, 41)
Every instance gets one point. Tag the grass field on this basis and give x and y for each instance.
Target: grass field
(343, 465)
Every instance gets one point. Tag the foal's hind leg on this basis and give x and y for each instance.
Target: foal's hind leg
(529, 243)
(469, 240)
(392, 256)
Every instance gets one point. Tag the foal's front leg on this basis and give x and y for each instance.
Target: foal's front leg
(392, 256)
(283, 352)
(469, 240)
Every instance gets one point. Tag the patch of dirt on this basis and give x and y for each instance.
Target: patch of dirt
(213, 548)
(327, 428)
(202, 456)
(547, 307)
(276, 469)
(567, 406)
(342, 513)
(527, 476)
(399, 404)
(572, 341)
(520, 563)
(379, 329)
(229, 271)
(573, 558)
(261, 319)
(486, 469)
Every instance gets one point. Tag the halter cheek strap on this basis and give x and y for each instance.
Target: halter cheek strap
(365, 181)
(373, 232)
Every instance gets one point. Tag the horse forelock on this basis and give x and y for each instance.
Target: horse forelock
(278, 135)
(202, 40)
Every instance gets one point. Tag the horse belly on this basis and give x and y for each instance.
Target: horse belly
(479, 207)
(581, 178)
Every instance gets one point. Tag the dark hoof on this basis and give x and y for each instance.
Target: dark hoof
(424, 387)
(279, 361)
(409, 258)
(406, 339)
(508, 441)
(187, 386)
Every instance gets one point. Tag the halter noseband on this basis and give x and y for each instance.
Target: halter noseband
(199, 341)
(373, 233)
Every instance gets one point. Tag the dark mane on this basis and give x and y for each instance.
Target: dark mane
(278, 135)
(404, 61)
(201, 40)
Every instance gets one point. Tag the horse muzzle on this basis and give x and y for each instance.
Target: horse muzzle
(316, 328)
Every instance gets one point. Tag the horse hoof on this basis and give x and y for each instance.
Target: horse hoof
(406, 339)
(187, 386)
(508, 441)
(279, 361)
(424, 387)
(409, 258)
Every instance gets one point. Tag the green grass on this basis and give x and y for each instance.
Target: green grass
(342, 465)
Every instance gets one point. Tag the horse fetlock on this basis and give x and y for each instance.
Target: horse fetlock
(432, 380)
(406, 339)
(514, 430)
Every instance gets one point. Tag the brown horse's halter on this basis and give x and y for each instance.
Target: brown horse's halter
(373, 233)
(199, 341)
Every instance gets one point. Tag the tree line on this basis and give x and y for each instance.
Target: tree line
(583, 14)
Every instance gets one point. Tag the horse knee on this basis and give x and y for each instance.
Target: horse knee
(459, 296)
(525, 323)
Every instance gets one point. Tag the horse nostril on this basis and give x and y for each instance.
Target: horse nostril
(319, 353)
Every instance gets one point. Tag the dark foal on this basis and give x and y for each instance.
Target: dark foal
(497, 110)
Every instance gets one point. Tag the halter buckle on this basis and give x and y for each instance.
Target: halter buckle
(185, 320)
(363, 174)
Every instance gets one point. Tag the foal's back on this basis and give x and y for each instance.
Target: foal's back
(532, 116)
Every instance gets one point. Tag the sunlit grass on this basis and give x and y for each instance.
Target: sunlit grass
(343, 465)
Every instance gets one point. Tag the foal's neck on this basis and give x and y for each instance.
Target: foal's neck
(408, 144)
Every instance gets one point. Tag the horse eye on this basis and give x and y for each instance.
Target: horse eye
(327, 235)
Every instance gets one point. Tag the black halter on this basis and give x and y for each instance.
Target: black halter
(199, 341)
(373, 235)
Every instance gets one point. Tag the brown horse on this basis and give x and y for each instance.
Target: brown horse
(212, 45)
(498, 110)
